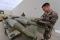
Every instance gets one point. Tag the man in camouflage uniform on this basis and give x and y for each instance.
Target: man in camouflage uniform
(49, 18)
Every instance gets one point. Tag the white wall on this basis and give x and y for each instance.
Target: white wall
(32, 8)
(57, 8)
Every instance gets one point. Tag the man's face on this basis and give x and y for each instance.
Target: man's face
(46, 8)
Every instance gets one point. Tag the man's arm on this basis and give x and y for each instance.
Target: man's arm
(54, 18)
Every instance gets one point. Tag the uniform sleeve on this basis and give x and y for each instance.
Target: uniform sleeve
(54, 18)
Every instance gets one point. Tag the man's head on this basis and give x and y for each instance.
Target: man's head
(46, 7)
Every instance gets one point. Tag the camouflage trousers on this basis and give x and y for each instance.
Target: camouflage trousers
(47, 33)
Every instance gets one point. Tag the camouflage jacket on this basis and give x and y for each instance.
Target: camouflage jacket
(49, 18)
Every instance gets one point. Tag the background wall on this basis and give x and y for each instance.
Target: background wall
(32, 8)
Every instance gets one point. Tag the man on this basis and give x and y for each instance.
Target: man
(49, 17)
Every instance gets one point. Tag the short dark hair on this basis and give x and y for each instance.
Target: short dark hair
(45, 4)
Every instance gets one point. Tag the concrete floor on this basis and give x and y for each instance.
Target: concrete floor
(2, 35)
(55, 36)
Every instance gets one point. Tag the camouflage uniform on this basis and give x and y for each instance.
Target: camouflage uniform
(50, 20)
